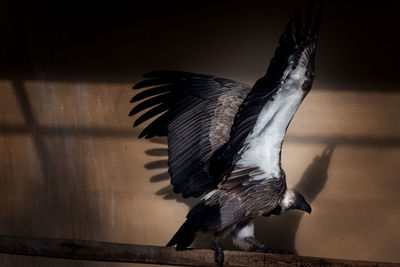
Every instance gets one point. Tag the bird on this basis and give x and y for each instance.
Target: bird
(225, 137)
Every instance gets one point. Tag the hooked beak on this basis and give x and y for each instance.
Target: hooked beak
(305, 207)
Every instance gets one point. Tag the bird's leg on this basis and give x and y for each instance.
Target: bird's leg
(218, 251)
(262, 247)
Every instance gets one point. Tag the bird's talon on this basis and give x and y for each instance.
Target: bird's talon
(219, 256)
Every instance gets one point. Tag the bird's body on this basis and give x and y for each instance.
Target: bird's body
(225, 138)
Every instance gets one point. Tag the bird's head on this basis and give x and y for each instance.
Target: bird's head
(294, 200)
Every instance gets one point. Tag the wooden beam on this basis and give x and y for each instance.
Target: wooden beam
(115, 252)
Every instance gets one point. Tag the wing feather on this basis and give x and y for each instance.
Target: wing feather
(151, 92)
(151, 113)
(296, 44)
(198, 114)
(148, 103)
(159, 125)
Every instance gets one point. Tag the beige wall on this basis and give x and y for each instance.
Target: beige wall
(71, 166)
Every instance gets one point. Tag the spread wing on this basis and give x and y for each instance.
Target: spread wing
(254, 148)
(197, 113)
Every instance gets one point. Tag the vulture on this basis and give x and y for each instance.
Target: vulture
(225, 137)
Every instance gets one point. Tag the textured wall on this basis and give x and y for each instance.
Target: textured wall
(72, 167)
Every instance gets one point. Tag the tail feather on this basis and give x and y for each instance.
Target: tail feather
(184, 237)
(201, 217)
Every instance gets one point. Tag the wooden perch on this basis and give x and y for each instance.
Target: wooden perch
(105, 251)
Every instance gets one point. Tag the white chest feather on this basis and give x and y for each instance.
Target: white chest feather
(239, 236)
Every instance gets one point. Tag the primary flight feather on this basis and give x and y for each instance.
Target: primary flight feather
(225, 138)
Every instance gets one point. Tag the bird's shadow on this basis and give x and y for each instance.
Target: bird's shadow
(276, 231)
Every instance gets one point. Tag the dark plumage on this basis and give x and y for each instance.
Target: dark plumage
(199, 112)
(227, 137)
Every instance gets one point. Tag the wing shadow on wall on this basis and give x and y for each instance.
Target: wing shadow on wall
(277, 231)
